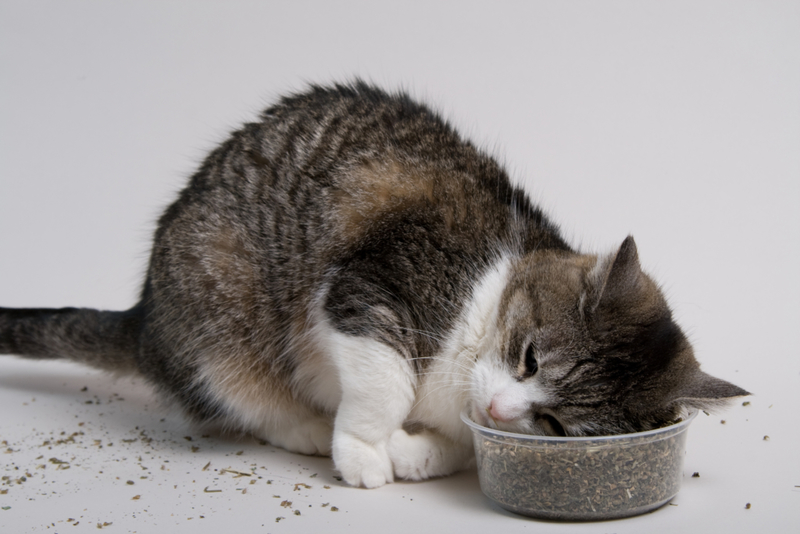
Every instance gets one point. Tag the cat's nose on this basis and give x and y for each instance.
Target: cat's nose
(500, 411)
(496, 414)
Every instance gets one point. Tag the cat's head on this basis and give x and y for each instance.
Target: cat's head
(585, 345)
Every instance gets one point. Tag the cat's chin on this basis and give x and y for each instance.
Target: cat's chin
(481, 418)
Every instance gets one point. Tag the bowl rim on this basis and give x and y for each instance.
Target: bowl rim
(679, 426)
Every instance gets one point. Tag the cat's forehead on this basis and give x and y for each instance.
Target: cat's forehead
(545, 300)
(546, 278)
(551, 266)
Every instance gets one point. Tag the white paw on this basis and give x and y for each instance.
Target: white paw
(426, 455)
(414, 457)
(360, 463)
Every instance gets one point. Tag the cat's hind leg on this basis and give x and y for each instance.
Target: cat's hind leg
(298, 432)
(377, 394)
(257, 401)
(310, 435)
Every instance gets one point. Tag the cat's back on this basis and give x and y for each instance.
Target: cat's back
(375, 159)
(337, 162)
(329, 171)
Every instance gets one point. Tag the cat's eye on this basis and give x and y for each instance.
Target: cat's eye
(531, 366)
(551, 425)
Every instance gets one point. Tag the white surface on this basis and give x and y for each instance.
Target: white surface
(678, 122)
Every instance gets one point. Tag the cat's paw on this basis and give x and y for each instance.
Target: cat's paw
(414, 457)
(426, 455)
(360, 463)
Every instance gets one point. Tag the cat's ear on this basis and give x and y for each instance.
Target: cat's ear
(614, 276)
(705, 392)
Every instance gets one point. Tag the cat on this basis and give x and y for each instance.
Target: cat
(346, 275)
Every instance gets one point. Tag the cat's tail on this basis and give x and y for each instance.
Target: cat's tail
(103, 339)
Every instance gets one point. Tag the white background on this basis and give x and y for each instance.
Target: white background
(677, 122)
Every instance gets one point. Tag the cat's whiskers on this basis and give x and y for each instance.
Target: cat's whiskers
(456, 362)
(468, 387)
(436, 380)
(426, 333)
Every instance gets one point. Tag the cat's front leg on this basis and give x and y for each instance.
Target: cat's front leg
(427, 454)
(377, 393)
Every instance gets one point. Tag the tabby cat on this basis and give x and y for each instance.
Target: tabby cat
(348, 274)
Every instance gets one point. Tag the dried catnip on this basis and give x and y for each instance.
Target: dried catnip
(586, 479)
